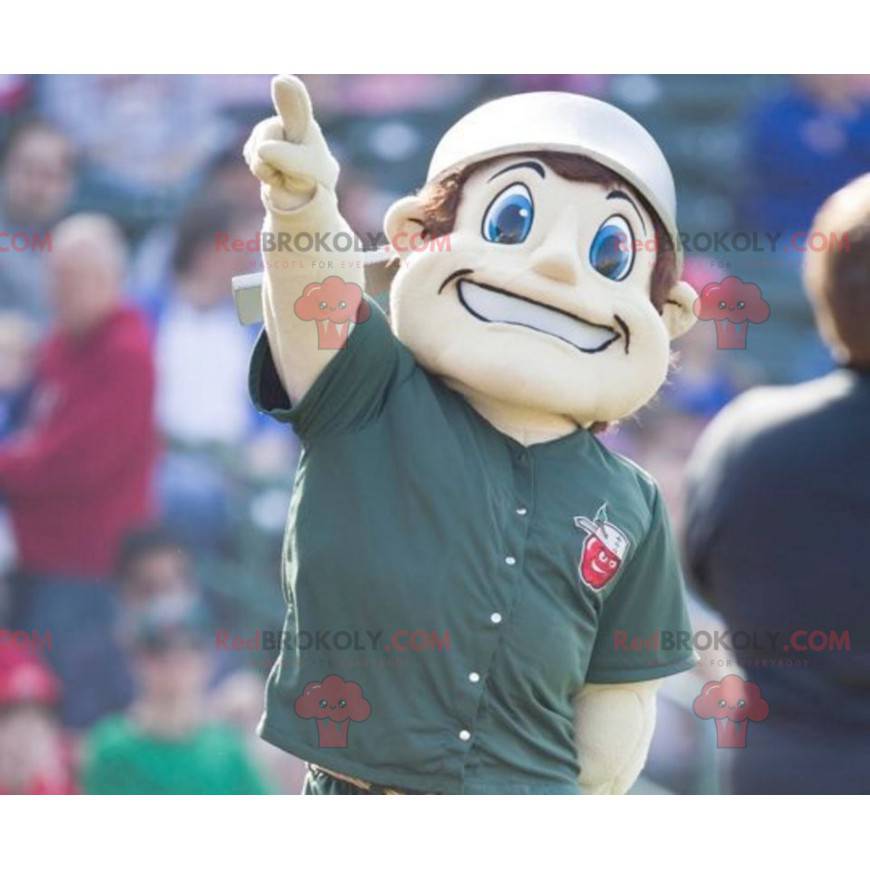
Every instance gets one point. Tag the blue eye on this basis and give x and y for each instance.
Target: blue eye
(612, 250)
(509, 217)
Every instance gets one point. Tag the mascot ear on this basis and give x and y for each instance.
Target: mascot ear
(678, 312)
(403, 225)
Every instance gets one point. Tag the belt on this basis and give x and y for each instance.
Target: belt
(362, 784)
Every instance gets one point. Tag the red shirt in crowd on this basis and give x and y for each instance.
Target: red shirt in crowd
(78, 477)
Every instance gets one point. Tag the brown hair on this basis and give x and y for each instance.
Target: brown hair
(441, 201)
(837, 271)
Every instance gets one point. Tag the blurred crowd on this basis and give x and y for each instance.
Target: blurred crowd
(143, 501)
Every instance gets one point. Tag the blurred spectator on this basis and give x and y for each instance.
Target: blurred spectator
(145, 140)
(153, 566)
(202, 352)
(802, 145)
(35, 756)
(77, 476)
(777, 515)
(163, 745)
(36, 184)
(228, 181)
(202, 360)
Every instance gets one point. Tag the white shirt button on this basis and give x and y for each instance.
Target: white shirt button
(464, 735)
(474, 677)
(509, 560)
(521, 511)
(495, 617)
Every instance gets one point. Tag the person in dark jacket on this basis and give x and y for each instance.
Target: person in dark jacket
(778, 534)
(77, 477)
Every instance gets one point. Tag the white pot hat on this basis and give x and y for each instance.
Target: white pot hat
(570, 123)
(610, 535)
(612, 538)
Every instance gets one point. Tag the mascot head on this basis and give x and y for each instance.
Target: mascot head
(548, 273)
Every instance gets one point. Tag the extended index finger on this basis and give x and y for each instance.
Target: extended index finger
(293, 105)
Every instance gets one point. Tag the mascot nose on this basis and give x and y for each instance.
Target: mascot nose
(557, 263)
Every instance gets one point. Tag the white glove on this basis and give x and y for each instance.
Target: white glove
(288, 152)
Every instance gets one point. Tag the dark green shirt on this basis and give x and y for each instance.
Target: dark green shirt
(456, 587)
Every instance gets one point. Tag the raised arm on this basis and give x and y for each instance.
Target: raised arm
(290, 157)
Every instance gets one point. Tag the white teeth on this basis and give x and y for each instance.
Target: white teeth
(499, 307)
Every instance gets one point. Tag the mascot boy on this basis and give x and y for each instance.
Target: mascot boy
(476, 587)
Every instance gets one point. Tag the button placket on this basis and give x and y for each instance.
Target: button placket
(516, 532)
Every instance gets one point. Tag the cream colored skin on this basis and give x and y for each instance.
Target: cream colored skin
(531, 385)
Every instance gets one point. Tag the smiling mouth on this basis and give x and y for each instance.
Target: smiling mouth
(493, 305)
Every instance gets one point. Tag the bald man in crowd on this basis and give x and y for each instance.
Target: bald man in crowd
(77, 477)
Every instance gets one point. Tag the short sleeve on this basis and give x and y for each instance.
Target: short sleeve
(644, 631)
(350, 390)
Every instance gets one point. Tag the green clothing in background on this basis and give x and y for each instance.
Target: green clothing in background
(121, 759)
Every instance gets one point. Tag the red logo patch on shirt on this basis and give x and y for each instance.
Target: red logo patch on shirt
(603, 550)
